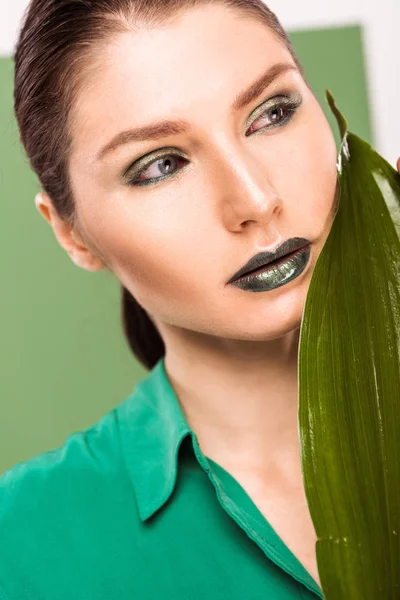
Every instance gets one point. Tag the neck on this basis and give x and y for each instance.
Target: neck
(240, 398)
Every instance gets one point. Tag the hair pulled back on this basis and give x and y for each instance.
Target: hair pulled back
(56, 42)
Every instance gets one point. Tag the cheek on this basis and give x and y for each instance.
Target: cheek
(156, 247)
(307, 171)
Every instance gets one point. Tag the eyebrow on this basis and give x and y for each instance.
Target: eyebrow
(167, 128)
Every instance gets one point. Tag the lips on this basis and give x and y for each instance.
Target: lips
(262, 259)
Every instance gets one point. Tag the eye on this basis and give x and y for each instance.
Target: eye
(158, 169)
(276, 115)
(166, 165)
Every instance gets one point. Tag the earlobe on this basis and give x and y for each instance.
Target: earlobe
(68, 239)
(83, 256)
(86, 260)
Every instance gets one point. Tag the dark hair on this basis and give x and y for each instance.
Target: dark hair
(56, 41)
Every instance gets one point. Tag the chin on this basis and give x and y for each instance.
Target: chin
(264, 330)
(278, 321)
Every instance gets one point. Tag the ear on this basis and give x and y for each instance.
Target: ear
(68, 239)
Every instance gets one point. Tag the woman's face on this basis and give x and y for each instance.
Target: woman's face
(241, 178)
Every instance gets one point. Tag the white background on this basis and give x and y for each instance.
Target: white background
(381, 22)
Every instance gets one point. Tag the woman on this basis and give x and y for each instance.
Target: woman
(174, 141)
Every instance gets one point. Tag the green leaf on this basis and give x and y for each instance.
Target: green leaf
(349, 382)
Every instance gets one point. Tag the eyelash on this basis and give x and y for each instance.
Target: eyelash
(291, 106)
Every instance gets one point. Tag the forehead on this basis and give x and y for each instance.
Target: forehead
(193, 64)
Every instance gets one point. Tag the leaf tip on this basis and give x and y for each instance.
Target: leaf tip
(340, 118)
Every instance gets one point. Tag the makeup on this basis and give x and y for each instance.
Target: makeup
(277, 273)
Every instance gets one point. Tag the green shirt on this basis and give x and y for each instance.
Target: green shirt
(131, 509)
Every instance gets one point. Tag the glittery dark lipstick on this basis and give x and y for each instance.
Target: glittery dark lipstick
(278, 268)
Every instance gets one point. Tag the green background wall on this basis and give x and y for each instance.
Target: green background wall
(64, 361)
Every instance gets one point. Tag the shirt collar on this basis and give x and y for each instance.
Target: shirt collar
(152, 426)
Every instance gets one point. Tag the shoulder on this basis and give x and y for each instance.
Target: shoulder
(52, 503)
(89, 453)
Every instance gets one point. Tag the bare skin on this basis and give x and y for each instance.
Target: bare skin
(231, 355)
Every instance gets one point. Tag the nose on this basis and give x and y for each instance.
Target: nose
(246, 196)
